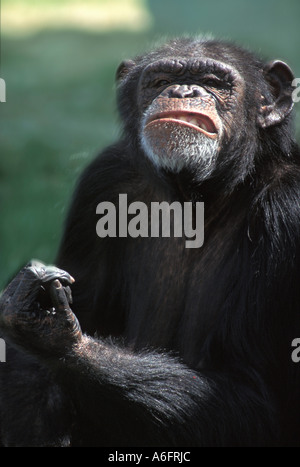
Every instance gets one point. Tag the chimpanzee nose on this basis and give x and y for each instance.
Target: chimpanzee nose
(181, 91)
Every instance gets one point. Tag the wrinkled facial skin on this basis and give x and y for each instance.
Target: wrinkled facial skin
(187, 107)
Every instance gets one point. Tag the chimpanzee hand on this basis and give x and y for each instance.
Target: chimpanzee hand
(35, 312)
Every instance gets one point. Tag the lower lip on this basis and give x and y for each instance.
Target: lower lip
(165, 120)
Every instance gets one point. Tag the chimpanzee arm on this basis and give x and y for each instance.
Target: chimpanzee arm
(127, 398)
(120, 397)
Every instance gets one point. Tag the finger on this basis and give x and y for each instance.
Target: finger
(58, 296)
(49, 273)
(68, 293)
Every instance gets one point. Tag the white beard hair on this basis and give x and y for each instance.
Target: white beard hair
(198, 153)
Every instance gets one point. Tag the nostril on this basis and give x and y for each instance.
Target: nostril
(181, 91)
(184, 91)
(196, 91)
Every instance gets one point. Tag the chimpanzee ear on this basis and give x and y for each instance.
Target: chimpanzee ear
(279, 76)
(124, 68)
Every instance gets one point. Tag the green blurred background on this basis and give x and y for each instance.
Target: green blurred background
(59, 59)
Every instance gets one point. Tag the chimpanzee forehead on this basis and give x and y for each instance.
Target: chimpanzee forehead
(195, 49)
(191, 65)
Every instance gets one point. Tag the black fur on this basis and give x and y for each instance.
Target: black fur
(205, 355)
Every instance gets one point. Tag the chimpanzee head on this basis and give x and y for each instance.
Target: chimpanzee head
(195, 104)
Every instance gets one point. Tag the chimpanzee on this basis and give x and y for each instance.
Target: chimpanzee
(154, 343)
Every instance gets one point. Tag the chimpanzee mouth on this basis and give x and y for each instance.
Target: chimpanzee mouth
(198, 121)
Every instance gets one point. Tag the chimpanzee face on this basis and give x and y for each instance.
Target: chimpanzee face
(190, 102)
(183, 102)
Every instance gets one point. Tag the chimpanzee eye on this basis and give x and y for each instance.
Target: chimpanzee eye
(161, 82)
(212, 82)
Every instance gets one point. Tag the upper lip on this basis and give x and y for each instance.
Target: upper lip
(194, 119)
